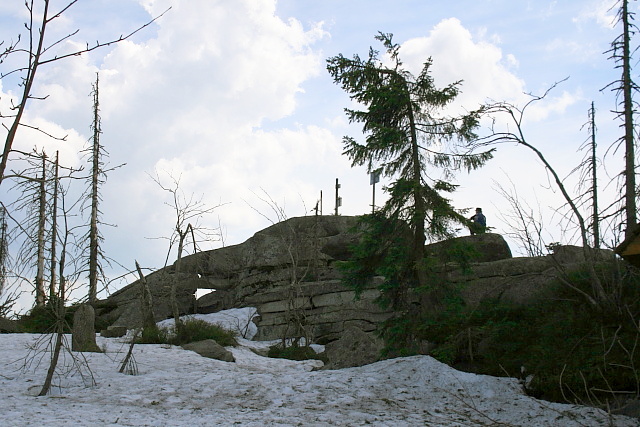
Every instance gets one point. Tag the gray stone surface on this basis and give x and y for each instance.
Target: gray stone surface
(210, 349)
(289, 270)
(485, 247)
(83, 336)
(568, 254)
(260, 272)
(354, 348)
(630, 408)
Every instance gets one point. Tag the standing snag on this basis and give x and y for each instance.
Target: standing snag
(625, 88)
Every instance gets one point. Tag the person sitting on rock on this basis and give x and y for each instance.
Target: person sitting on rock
(478, 223)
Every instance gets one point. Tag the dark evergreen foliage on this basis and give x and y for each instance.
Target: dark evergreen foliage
(43, 319)
(561, 347)
(411, 140)
(408, 137)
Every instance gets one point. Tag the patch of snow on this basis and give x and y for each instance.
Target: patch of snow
(180, 388)
(235, 319)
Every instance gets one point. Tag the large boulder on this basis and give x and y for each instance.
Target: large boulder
(569, 254)
(355, 348)
(484, 247)
(305, 248)
(210, 349)
(128, 311)
(327, 308)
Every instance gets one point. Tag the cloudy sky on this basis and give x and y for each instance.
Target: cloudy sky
(233, 98)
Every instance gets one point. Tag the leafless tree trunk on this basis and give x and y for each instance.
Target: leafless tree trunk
(182, 235)
(587, 171)
(595, 213)
(621, 52)
(146, 301)
(129, 364)
(95, 172)
(60, 318)
(32, 68)
(54, 229)
(629, 140)
(40, 295)
(4, 257)
(598, 297)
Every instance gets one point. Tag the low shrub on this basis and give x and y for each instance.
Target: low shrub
(568, 349)
(190, 330)
(42, 319)
(153, 335)
(294, 352)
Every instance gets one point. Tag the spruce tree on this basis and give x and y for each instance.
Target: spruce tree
(410, 139)
(405, 134)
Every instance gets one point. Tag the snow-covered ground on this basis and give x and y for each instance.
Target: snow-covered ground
(175, 387)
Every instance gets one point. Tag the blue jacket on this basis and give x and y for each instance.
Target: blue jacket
(479, 218)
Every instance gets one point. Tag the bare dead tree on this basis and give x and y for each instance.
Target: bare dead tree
(598, 297)
(621, 53)
(40, 51)
(65, 286)
(146, 300)
(98, 176)
(129, 364)
(524, 222)
(95, 154)
(95, 181)
(7, 297)
(54, 227)
(34, 221)
(4, 249)
(587, 172)
(42, 200)
(33, 205)
(188, 229)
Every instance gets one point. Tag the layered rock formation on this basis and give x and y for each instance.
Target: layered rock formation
(289, 273)
(290, 265)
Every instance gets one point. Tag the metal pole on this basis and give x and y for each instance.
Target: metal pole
(337, 197)
(373, 202)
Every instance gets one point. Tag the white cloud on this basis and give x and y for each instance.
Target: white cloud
(486, 73)
(583, 51)
(512, 61)
(192, 100)
(457, 56)
(603, 12)
(553, 105)
(223, 66)
(213, 91)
